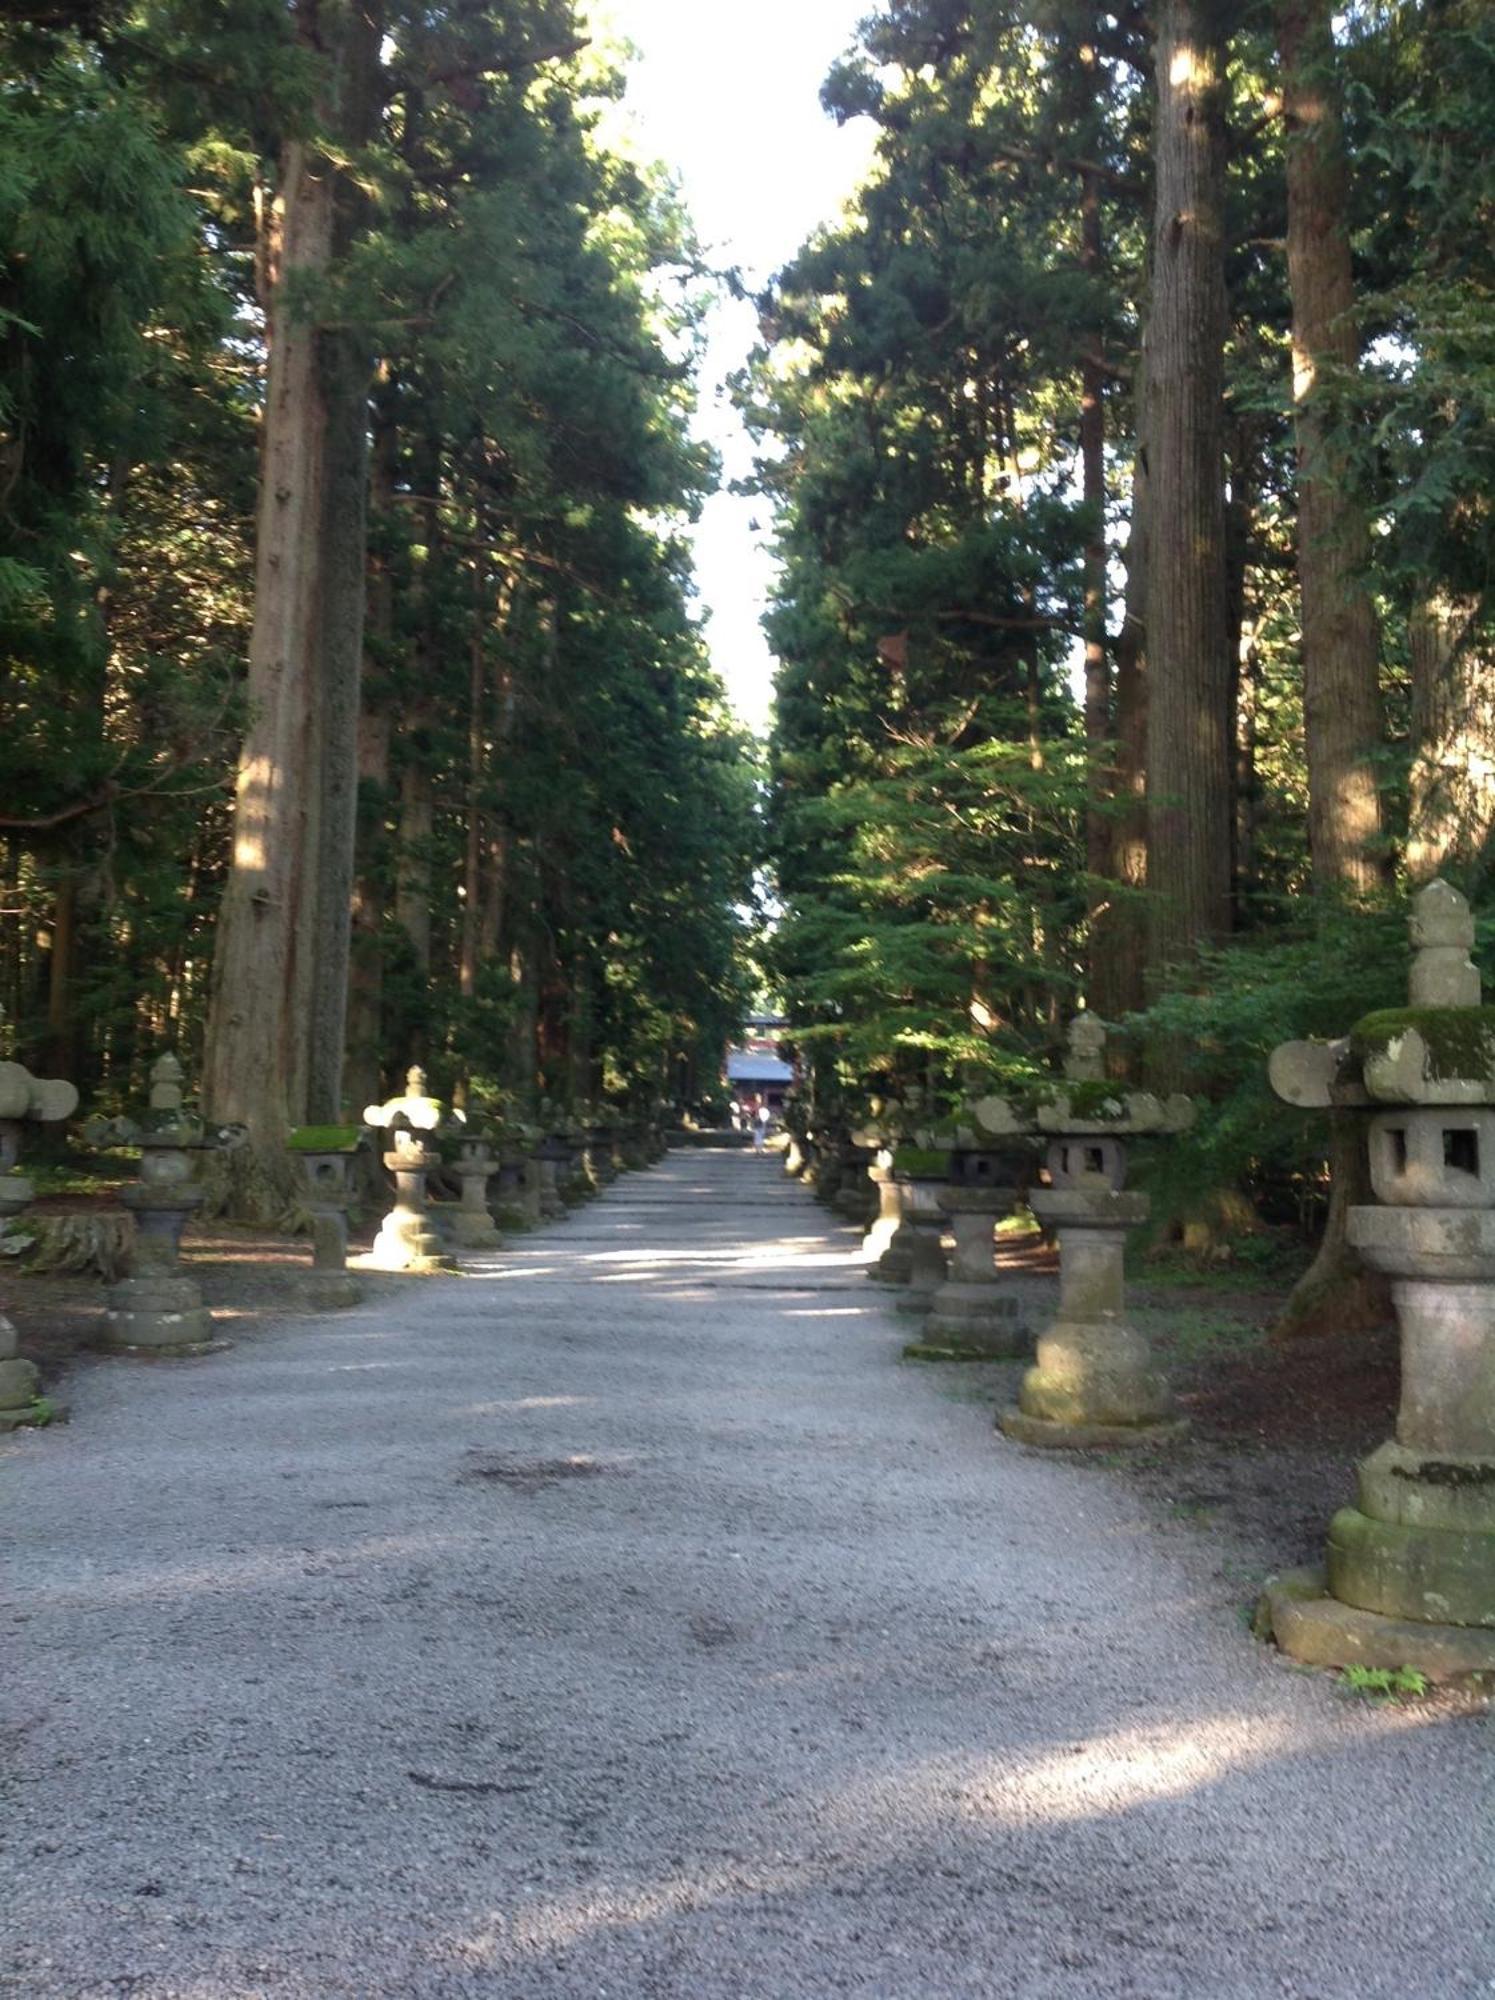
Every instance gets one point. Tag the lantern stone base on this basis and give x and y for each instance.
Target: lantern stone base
(1311, 1626)
(923, 1232)
(1438, 1575)
(407, 1242)
(159, 1315)
(20, 1399)
(472, 1230)
(978, 1320)
(328, 1291)
(1085, 1436)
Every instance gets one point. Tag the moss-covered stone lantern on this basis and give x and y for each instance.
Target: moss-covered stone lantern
(1410, 1574)
(1095, 1382)
(974, 1313)
(326, 1152)
(158, 1309)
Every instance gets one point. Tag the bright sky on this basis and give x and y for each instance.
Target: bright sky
(728, 97)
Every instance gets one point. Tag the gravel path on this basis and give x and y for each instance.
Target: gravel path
(625, 1619)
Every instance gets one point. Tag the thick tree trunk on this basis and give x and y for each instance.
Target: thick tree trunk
(1341, 684)
(276, 1017)
(366, 1054)
(1452, 803)
(1342, 721)
(257, 1026)
(1119, 955)
(1098, 715)
(1190, 671)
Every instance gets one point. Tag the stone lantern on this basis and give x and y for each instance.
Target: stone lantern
(474, 1167)
(517, 1200)
(1410, 1573)
(158, 1309)
(975, 1314)
(1095, 1382)
(918, 1250)
(406, 1240)
(875, 1143)
(24, 1100)
(326, 1152)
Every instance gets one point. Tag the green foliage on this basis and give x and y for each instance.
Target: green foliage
(1310, 978)
(527, 300)
(1385, 1682)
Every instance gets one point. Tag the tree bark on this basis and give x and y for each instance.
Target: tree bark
(1342, 720)
(366, 1054)
(276, 1015)
(347, 364)
(1452, 804)
(1189, 759)
(257, 1030)
(1120, 953)
(1342, 717)
(1100, 773)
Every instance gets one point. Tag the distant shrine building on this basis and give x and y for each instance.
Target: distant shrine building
(756, 1069)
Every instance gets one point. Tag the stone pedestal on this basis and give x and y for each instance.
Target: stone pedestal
(516, 1204)
(551, 1160)
(856, 1196)
(973, 1313)
(329, 1285)
(472, 1226)
(1095, 1382)
(877, 1245)
(1409, 1578)
(406, 1239)
(20, 1395)
(20, 1384)
(921, 1241)
(24, 1100)
(158, 1309)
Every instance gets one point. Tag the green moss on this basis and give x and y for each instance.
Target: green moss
(921, 1164)
(1460, 1041)
(325, 1139)
(1092, 1101)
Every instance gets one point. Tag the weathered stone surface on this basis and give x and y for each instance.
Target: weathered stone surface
(1298, 1612)
(1081, 1435)
(1439, 1576)
(1422, 1489)
(973, 1310)
(1094, 1380)
(884, 1263)
(406, 1240)
(18, 1383)
(1418, 1552)
(158, 1308)
(1442, 931)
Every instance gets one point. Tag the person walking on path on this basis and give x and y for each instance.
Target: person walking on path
(760, 1124)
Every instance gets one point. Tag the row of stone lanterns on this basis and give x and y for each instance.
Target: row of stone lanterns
(1409, 1574)
(157, 1309)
